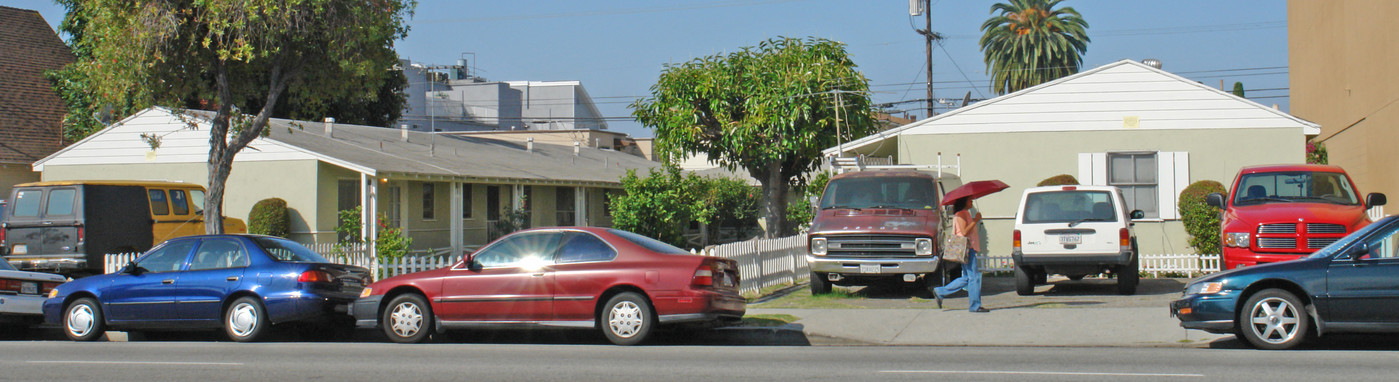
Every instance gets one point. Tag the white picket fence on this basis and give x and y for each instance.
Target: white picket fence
(346, 253)
(1182, 263)
(764, 263)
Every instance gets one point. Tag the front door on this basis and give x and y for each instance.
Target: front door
(584, 270)
(215, 271)
(1364, 286)
(514, 282)
(148, 293)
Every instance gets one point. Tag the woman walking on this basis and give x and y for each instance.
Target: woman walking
(964, 224)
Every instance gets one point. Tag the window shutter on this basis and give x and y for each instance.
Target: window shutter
(1172, 176)
(1093, 169)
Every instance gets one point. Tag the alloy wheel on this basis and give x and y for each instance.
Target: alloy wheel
(1274, 320)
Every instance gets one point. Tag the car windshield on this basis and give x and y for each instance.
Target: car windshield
(1293, 187)
(5, 266)
(649, 243)
(880, 192)
(1069, 207)
(288, 251)
(1330, 250)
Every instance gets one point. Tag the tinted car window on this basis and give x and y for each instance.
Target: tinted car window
(178, 203)
(584, 247)
(27, 203)
(167, 258)
(530, 249)
(158, 204)
(5, 266)
(288, 251)
(879, 192)
(1069, 206)
(61, 202)
(219, 253)
(648, 243)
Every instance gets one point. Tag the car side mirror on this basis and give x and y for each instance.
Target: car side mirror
(131, 268)
(1138, 214)
(1215, 199)
(469, 260)
(1358, 251)
(1374, 199)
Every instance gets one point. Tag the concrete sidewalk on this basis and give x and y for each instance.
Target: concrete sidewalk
(1027, 326)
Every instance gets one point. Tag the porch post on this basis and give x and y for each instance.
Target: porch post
(455, 218)
(580, 207)
(369, 215)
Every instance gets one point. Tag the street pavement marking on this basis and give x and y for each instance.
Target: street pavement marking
(1045, 373)
(145, 363)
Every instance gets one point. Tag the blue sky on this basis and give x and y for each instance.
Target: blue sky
(617, 47)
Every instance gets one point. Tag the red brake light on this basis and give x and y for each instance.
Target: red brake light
(1070, 188)
(1125, 236)
(82, 234)
(314, 277)
(704, 276)
(10, 285)
(1015, 239)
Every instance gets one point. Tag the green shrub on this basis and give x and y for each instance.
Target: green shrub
(269, 217)
(659, 205)
(1201, 220)
(390, 244)
(799, 210)
(349, 223)
(1059, 180)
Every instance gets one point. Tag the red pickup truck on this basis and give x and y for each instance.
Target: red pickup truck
(1283, 212)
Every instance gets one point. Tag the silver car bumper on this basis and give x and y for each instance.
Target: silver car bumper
(851, 266)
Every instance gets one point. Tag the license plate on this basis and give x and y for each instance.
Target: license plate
(29, 288)
(869, 268)
(1072, 238)
(20, 249)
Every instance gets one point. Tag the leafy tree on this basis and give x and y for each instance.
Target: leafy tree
(237, 56)
(1059, 180)
(769, 109)
(659, 205)
(799, 211)
(1201, 220)
(1030, 42)
(726, 202)
(1239, 89)
(269, 217)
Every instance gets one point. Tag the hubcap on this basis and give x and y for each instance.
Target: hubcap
(1274, 320)
(625, 319)
(406, 319)
(243, 320)
(80, 320)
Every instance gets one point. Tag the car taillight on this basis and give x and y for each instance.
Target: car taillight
(314, 277)
(1126, 237)
(1015, 240)
(82, 234)
(704, 276)
(10, 285)
(2, 235)
(45, 288)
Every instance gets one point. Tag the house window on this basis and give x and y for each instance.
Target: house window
(392, 206)
(492, 203)
(429, 201)
(564, 204)
(347, 195)
(1135, 174)
(466, 201)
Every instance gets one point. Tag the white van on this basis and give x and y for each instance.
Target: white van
(1074, 231)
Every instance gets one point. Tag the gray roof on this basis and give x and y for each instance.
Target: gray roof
(453, 156)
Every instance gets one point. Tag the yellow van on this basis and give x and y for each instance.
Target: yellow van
(67, 226)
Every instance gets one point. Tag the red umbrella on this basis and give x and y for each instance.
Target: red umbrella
(973, 190)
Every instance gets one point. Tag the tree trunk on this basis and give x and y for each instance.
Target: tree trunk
(222, 150)
(774, 198)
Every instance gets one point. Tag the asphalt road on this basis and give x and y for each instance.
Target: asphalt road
(214, 361)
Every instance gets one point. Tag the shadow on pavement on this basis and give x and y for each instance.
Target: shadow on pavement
(1333, 342)
(790, 335)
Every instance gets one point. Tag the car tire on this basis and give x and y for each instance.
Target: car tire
(407, 319)
(1024, 281)
(627, 319)
(83, 320)
(1128, 277)
(1075, 277)
(1274, 319)
(245, 320)
(1041, 278)
(819, 284)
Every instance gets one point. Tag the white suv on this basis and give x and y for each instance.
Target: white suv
(1074, 231)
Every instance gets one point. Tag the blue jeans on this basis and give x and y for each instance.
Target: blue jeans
(970, 280)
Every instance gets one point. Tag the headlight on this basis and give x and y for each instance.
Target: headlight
(366, 292)
(818, 246)
(1204, 288)
(1236, 239)
(923, 246)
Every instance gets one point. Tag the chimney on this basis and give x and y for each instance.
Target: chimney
(576, 144)
(529, 144)
(404, 128)
(330, 127)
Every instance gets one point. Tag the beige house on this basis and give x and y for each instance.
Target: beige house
(1341, 60)
(443, 190)
(1125, 124)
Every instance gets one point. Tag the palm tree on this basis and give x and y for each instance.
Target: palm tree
(1029, 42)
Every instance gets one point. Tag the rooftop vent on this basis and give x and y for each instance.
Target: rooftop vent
(529, 144)
(404, 128)
(1152, 62)
(576, 145)
(330, 127)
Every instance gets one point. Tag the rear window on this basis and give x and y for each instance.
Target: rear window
(27, 202)
(1069, 206)
(288, 251)
(648, 243)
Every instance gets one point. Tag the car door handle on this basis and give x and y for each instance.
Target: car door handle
(232, 278)
(167, 281)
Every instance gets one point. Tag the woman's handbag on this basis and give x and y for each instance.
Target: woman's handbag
(954, 248)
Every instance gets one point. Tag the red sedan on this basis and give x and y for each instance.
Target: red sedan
(619, 282)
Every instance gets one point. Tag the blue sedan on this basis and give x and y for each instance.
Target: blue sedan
(240, 283)
(1349, 286)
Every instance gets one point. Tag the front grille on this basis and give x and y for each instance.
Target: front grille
(1325, 228)
(1277, 243)
(874, 246)
(1320, 242)
(1277, 228)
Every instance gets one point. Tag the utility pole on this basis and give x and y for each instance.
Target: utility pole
(915, 8)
